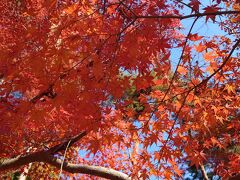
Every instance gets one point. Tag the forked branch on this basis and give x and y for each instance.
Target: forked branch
(47, 156)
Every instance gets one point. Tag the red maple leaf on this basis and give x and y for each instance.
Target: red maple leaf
(211, 9)
(195, 37)
(195, 5)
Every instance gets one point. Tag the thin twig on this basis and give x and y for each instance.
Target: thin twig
(63, 160)
(185, 4)
(170, 16)
(180, 59)
(204, 173)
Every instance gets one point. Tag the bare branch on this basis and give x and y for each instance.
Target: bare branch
(44, 156)
(204, 173)
(225, 61)
(187, 16)
(62, 146)
(180, 59)
(86, 169)
(47, 156)
(185, 4)
(220, 68)
(38, 156)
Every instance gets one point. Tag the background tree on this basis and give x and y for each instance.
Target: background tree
(93, 87)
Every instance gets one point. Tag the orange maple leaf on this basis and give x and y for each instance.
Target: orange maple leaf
(71, 9)
(200, 47)
(182, 70)
(210, 56)
(195, 37)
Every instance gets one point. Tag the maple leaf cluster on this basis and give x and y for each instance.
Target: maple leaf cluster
(106, 68)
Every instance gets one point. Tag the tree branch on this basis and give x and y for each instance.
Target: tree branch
(38, 156)
(187, 16)
(19, 161)
(185, 4)
(47, 156)
(225, 61)
(62, 146)
(86, 169)
(180, 59)
(44, 156)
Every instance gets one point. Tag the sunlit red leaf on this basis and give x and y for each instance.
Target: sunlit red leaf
(195, 5)
(182, 70)
(200, 47)
(210, 56)
(211, 9)
(195, 37)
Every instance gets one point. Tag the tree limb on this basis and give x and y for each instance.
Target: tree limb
(44, 156)
(38, 156)
(187, 16)
(62, 146)
(47, 156)
(19, 161)
(86, 169)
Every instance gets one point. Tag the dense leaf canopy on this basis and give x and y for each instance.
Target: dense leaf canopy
(100, 81)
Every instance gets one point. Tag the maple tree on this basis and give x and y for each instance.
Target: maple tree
(90, 87)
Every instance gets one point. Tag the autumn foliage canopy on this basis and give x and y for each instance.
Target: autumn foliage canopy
(129, 86)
